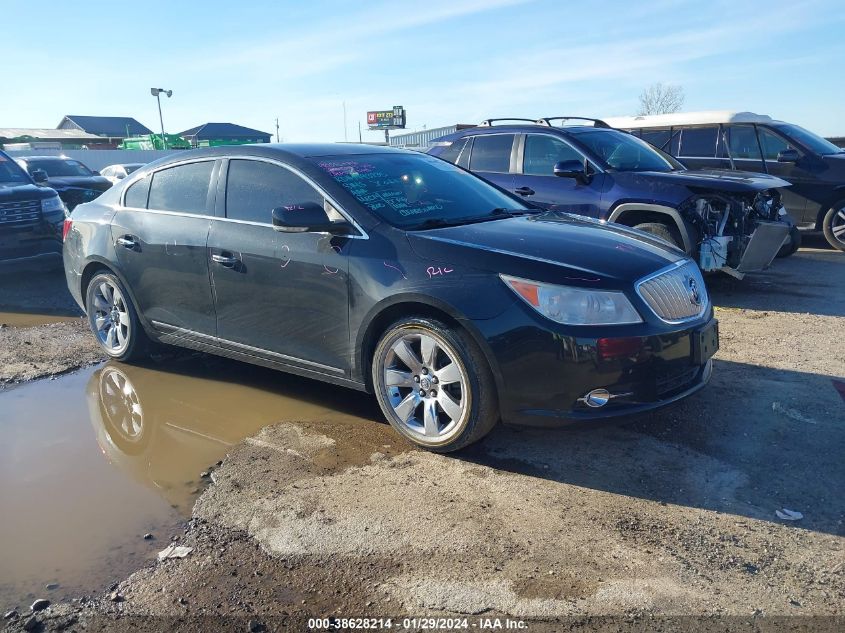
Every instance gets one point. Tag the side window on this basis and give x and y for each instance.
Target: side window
(452, 152)
(492, 152)
(183, 188)
(742, 142)
(137, 194)
(772, 143)
(542, 152)
(254, 188)
(698, 142)
(658, 138)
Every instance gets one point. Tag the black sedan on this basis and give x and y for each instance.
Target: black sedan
(73, 181)
(397, 273)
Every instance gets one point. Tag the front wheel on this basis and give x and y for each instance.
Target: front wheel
(434, 385)
(834, 225)
(664, 231)
(113, 318)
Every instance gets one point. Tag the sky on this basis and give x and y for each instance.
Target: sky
(446, 61)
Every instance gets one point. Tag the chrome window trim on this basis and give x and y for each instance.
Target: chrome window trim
(678, 264)
(363, 234)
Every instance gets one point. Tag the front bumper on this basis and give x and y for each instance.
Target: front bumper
(543, 374)
(23, 242)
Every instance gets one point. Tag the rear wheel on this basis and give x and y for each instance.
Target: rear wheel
(664, 232)
(434, 385)
(113, 318)
(834, 225)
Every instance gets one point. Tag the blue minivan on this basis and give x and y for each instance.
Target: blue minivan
(726, 220)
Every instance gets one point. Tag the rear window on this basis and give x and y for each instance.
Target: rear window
(137, 193)
(699, 142)
(405, 190)
(452, 152)
(183, 188)
(491, 153)
(658, 138)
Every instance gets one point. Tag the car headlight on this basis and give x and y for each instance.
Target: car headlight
(52, 204)
(574, 306)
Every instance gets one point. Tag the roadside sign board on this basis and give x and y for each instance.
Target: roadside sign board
(386, 119)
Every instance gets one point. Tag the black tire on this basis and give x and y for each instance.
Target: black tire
(793, 245)
(665, 232)
(474, 393)
(833, 225)
(130, 340)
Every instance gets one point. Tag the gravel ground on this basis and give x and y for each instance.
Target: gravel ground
(618, 527)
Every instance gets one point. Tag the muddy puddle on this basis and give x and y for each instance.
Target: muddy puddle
(92, 461)
(26, 319)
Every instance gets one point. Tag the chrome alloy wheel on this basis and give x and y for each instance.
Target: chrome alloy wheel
(837, 225)
(111, 317)
(121, 404)
(426, 386)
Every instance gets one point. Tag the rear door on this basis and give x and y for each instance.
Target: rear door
(281, 296)
(697, 147)
(537, 183)
(160, 237)
(493, 157)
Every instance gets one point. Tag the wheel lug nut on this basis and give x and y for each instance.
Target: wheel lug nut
(434, 380)
(425, 371)
(432, 393)
(422, 393)
(416, 378)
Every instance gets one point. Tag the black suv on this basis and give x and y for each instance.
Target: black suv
(31, 215)
(754, 142)
(74, 182)
(728, 221)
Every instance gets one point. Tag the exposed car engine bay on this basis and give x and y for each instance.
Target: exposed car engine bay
(737, 233)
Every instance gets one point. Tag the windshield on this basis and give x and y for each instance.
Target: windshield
(59, 167)
(620, 151)
(812, 142)
(412, 190)
(11, 173)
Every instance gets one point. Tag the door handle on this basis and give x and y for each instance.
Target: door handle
(128, 241)
(228, 261)
(524, 191)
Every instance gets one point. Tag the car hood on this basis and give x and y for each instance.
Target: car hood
(554, 247)
(15, 192)
(85, 182)
(712, 179)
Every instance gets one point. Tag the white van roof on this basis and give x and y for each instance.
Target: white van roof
(686, 118)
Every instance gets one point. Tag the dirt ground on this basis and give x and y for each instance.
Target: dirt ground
(666, 522)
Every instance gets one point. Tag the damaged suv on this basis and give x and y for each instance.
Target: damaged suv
(725, 220)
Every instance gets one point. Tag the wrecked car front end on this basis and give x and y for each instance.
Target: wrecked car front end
(738, 232)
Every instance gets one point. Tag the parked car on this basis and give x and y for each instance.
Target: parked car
(74, 182)
(31, 214)
(116, 173)
(726, 221)
(754, 142)
(393, 272)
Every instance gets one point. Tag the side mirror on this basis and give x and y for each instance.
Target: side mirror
(571, 169)
(39, 176)
(307, 217)
(788, 156)
(96, 173)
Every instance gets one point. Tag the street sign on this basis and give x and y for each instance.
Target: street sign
(386, 119)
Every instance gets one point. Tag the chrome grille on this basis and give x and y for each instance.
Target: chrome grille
(20, 211)
(672, 292)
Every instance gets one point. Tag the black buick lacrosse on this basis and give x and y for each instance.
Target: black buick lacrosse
(396, 273)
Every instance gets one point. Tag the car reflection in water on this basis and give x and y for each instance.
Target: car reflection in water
(164, 428)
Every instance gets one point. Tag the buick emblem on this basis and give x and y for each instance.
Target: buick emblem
(694, 295)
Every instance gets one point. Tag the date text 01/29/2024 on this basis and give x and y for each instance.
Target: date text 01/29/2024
(417, 624)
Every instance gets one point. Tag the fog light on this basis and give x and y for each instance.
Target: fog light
(596, 398)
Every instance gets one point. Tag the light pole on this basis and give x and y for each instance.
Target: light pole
(156, 92)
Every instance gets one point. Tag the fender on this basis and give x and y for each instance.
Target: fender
(628, 207)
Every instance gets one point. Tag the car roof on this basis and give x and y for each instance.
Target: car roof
(706, 117)
(28, 158)
(520, 129)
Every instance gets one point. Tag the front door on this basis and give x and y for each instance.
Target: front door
(160, 239)
(282, 296)
(798, 198)
(538, 184)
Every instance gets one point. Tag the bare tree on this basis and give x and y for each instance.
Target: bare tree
(660, 99)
